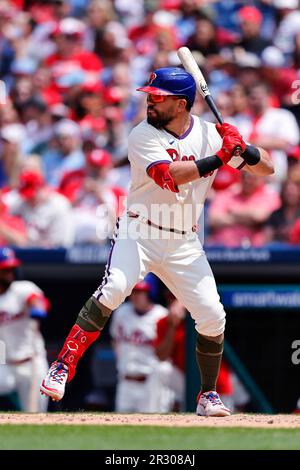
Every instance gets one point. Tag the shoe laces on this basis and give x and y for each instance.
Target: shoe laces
(213, 397)
(59, 373)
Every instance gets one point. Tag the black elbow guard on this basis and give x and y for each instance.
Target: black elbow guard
(251, 155)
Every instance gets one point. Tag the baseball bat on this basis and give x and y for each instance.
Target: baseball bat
(188, 61)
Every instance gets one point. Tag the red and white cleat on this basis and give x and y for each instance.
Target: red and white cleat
(54, 383)
(210, 404)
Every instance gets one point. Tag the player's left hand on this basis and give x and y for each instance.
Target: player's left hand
(226, 129)
(231, 139)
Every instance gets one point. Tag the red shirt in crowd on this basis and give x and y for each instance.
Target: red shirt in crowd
(84, 60)
(178, 351)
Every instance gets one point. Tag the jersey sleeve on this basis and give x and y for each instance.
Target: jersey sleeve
(145, 149)
(27, 290)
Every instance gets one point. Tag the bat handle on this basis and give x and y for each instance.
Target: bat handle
(212, 105)
(237, 151)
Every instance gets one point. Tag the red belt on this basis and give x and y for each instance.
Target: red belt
(152, 224)
(19, 362)
(136, 378)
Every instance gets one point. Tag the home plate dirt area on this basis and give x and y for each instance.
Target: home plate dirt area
(179, 420)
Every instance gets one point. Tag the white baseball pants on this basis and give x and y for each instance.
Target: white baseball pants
(178, 260)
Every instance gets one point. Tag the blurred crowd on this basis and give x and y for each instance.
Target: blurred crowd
(69, 70)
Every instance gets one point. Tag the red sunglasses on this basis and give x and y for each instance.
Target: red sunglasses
(152, 98)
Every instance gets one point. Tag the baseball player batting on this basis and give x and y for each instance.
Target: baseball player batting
(174, 157)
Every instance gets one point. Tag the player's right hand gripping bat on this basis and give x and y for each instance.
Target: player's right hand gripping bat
(188, 61)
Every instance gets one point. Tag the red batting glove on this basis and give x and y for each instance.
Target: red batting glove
(226, 128)
(230, 142)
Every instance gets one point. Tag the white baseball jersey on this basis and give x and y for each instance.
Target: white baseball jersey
(17, 331)
(146, 148)
(134, 335)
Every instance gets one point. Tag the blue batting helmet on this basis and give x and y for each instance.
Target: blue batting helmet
(8, 258)
(171, 81)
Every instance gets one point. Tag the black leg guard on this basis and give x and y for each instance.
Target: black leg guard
(209, 353)
(93, 315)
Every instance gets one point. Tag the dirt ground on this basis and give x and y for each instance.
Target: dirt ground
(181, 420)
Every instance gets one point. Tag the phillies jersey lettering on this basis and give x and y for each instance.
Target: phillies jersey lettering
(136, 337)
(6, 318)
(175, 156)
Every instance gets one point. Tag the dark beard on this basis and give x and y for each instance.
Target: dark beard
(158, 122)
